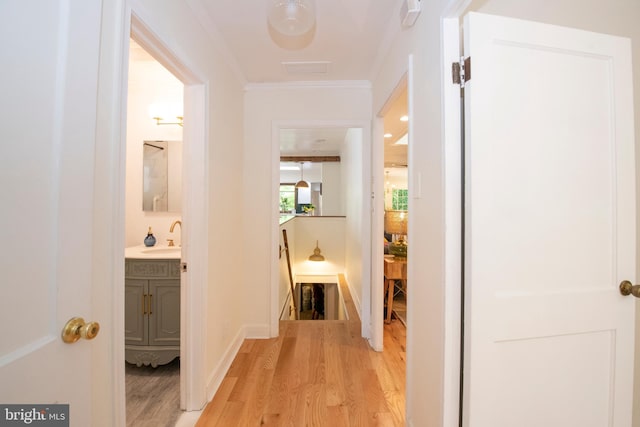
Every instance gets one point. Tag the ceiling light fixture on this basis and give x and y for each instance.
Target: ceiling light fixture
(388, 135)
(291, 17)
(404, 118)
(302, 183)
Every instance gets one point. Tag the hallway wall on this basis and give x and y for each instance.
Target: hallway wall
(425, 344)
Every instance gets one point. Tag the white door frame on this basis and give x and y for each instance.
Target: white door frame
(377, 227)
(377, 211)
(453, 167)
(194, 215)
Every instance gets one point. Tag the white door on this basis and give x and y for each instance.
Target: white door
(549, 220)
(48, 115)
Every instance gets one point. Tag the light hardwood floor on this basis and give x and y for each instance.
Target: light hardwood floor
(316, 373)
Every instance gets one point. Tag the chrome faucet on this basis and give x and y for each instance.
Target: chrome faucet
(177, 222)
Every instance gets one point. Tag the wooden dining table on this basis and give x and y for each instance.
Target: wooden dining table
(395, 268)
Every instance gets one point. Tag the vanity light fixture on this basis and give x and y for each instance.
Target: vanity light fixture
(160, 121)
(316, 256)
(291, 17)
(159, 111)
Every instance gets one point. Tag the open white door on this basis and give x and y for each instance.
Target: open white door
(48, 105)
(550, 226)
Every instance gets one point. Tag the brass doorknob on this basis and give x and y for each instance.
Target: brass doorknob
(76, 328)
(628, 288)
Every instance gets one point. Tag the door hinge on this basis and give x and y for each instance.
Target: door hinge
(461, 71)
(183, 267)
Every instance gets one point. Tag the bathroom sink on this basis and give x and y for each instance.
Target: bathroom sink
(153, 252)
(162, 251)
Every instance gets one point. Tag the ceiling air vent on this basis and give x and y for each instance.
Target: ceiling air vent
(308, 67)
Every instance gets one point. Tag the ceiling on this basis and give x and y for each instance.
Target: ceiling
(349, 40)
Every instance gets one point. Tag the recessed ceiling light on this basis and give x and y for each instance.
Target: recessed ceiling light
(404, 118)
(289, 168)
(387, 135)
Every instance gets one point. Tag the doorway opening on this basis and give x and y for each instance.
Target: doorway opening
(396, 204)
(391, 223)
(153, 208)
(327, 154)
(191, 235)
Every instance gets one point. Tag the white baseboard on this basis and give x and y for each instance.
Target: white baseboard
(216, 377)
(257, 331)
(248, 331)
(188, 419)
(356, 300)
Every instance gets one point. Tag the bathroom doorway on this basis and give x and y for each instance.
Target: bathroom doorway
(194, 216)
(153, 205)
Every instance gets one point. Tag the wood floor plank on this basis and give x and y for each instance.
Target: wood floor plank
(153, 394)
(213, 411)
(316, 373)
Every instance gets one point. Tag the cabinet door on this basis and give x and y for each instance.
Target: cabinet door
(164, 316)
(135, 307)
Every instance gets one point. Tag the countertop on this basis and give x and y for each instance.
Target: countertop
(153, 252)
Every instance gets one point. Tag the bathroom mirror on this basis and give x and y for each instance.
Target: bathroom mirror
(162, 176)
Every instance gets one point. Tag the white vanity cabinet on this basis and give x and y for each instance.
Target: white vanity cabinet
(152, 311)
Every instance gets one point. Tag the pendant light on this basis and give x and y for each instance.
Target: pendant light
(302, 183)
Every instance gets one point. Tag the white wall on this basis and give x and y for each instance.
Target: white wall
(425, 342)
(265, 105)
(356, 230)
(329, 232)
(149, 82)
(332, 189)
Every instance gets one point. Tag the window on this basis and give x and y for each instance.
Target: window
(287, 197)
(399, 200)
